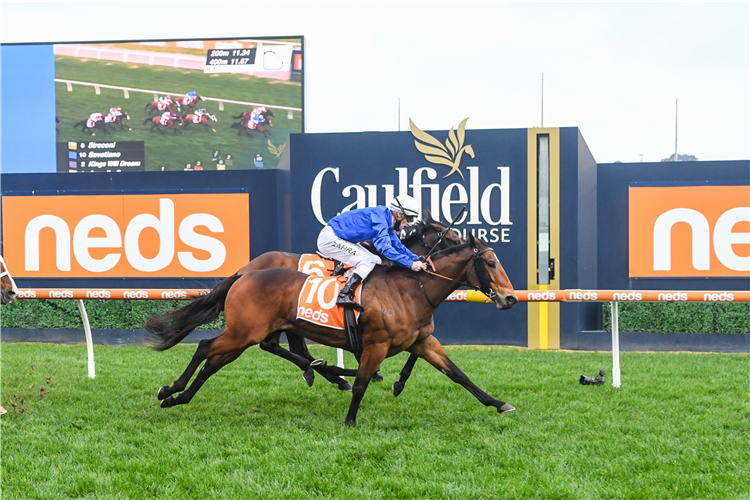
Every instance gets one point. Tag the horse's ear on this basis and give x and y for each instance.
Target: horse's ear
(427, 217)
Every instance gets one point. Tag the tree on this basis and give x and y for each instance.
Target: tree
(681, 158)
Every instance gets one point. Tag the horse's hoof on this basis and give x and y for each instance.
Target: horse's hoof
(350, 423)
(162, 394)
(377, 377)
(397, 388)
(93, 134)
(166, 403)
(345, 386)
(505, 408)
(309, 377)
(318, 362)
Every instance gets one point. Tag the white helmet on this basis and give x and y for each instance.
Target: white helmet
(406, 205)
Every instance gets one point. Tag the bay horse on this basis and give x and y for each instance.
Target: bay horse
(156, 124)
(247, 126)
(160, 106)
(397, 316)
(202, 120)
(246, 115)
(91, 126)
(8, 289)
(423, 235)
(186, 101)
(117, 120)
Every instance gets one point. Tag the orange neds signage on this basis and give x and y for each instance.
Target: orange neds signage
(112, 236)
(689, 231)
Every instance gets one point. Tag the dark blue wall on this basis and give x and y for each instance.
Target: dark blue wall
(613, 182)
(261, 185)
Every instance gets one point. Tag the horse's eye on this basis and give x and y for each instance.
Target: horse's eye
(491, 263)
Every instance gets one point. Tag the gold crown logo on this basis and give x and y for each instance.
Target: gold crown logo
(449, 154)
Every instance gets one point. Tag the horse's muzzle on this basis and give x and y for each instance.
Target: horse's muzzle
(7, 297)
(505, 302)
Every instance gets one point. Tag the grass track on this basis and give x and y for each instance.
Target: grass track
(678, 428)
(169, 150)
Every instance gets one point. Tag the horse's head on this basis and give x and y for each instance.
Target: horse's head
(201, 97)
(8, 289)
(428, 232)
(268, 113)
(488, 275)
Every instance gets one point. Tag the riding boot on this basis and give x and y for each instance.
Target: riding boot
(346, 296)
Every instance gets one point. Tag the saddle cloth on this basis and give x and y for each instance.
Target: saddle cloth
(196, 118)
(317, 299)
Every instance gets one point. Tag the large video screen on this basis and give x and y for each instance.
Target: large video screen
(159, 105)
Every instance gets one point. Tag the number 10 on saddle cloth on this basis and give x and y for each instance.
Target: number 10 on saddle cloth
(317, 299)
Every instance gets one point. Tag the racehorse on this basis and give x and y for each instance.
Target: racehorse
(397, 316)
(90, 126)
(8, 289)
(118, 120)
(247, 125)
(246, 115)
(156, 124)
(422, 236)
(201, 120)
(186, 101)
(160, 106)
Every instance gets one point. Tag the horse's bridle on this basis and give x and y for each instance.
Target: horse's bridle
(483, 277)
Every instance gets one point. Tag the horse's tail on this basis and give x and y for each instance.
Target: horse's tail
(238, 116)
(147, 105)
(173, 326)
(82, 122)
(147, 120)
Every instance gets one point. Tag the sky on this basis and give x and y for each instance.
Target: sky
(620, 72)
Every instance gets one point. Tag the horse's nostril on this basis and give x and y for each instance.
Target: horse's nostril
(511, 299)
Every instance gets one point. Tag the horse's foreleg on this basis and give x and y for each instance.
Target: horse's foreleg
(398, 385)
(432, 351)
(181, 383)
(372, 356)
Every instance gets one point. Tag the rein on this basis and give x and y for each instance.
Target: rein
(484, 279)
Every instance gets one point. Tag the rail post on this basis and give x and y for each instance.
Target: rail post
(615, 346)
(89, 339)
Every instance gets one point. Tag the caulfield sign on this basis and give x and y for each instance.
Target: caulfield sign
(689, 231)
(472, 169)
(113, 236)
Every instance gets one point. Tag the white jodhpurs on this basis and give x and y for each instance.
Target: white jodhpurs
(347, 252)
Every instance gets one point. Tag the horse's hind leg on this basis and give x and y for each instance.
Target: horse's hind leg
(298, 346)
(212, 365)
(432, 351)
(271, 344)
(181, 383)
(398, 385)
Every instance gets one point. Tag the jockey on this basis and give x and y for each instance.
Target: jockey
(166, 99)
(96, 117)
(199, 112)
(193, 95)
(256, 115)
(338, 240)
(115, 111)
(166, 117)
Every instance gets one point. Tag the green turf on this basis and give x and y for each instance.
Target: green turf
(677, 428)
(170, 150)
